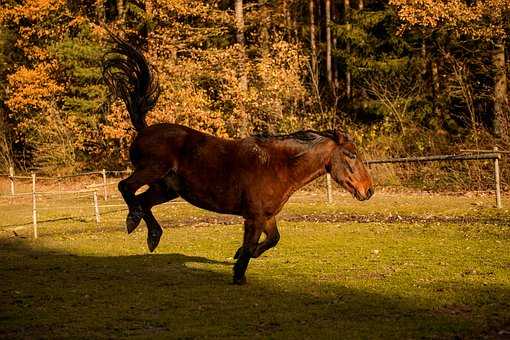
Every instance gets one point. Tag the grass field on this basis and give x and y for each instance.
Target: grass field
(397, 266)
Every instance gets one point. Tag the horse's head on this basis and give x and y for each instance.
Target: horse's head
(347, 168)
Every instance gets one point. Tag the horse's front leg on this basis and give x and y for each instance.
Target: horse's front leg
(252, 231)
(272, 238)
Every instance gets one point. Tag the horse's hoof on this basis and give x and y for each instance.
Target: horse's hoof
(238, 253)
(153, 238)
(240, 281)
(133, 220)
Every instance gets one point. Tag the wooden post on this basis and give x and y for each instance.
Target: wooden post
(11, 178)
(105, 186)
(34, 205)
(328, 185)
(59, 180)
(498, 183)
(96, 208)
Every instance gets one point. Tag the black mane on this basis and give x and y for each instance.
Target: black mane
(304, 136)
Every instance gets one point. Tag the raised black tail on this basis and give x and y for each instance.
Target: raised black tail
(130, 78)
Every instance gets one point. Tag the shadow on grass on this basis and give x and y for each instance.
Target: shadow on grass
(47, 294)
(48, 220)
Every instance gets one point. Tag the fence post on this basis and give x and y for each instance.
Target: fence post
(11, 178)
(34, 206)
(105, 186)
(96, 208)
(328, 185)
(59, 180)
(498, 182)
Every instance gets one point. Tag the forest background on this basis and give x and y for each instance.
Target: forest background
(404, 77)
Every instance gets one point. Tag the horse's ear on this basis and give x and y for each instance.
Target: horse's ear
(337, 136)
(342, 137)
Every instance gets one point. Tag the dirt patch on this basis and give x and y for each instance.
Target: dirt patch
(342, 218)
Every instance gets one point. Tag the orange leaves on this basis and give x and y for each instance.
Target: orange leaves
(32, 10)
(484, 20)
(31, 88)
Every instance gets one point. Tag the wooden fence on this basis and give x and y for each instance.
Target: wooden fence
(103, 173)
(493, 155)
(93, 189)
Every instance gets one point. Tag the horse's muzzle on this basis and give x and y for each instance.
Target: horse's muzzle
(363, 197)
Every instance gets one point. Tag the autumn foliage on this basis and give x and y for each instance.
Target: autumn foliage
(404, 76)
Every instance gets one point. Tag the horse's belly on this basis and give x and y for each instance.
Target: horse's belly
(217, 199)
(211, 205)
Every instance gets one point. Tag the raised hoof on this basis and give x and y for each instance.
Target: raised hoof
(133, 220)
(240, 281)
(238, 253)
(153, 238)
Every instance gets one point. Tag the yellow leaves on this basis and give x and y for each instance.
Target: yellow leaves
(484, 20)
(78, 20)
(32, 88)
(32, 10)
(168, 10)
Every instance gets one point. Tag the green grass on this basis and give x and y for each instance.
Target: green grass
(415, 279)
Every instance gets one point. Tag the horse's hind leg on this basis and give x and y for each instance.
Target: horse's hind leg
(156, 194)
(128, 188)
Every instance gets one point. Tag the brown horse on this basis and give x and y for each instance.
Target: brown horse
(252, 177)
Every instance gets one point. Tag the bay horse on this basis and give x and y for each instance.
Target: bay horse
(252, 177)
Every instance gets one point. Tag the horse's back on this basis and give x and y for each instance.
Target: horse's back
(166, 143)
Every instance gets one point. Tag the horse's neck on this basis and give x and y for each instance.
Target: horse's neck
(308, 167)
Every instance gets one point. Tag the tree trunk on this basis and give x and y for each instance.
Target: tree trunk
(149, 9)
(239, 18)
(100, 11)
(501, 108)
(288, 21)
(361, 5)
(334, 45)
(295, 24)
(313, 44)
(120, 10)
(423, 54)
(243, 78)
(434, 78)
(264, 31)
(347, 10)
(329, 70)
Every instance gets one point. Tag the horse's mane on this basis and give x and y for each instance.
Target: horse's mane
(304, 136)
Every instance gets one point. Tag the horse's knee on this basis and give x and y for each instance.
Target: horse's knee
(266, 245)
(273, 240)
(238, 253)
(249, 250)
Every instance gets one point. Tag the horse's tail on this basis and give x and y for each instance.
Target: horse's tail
(131, 78)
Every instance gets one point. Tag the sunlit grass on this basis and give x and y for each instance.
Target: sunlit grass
(343, 279)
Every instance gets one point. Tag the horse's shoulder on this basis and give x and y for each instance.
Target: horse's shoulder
(253, 150)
